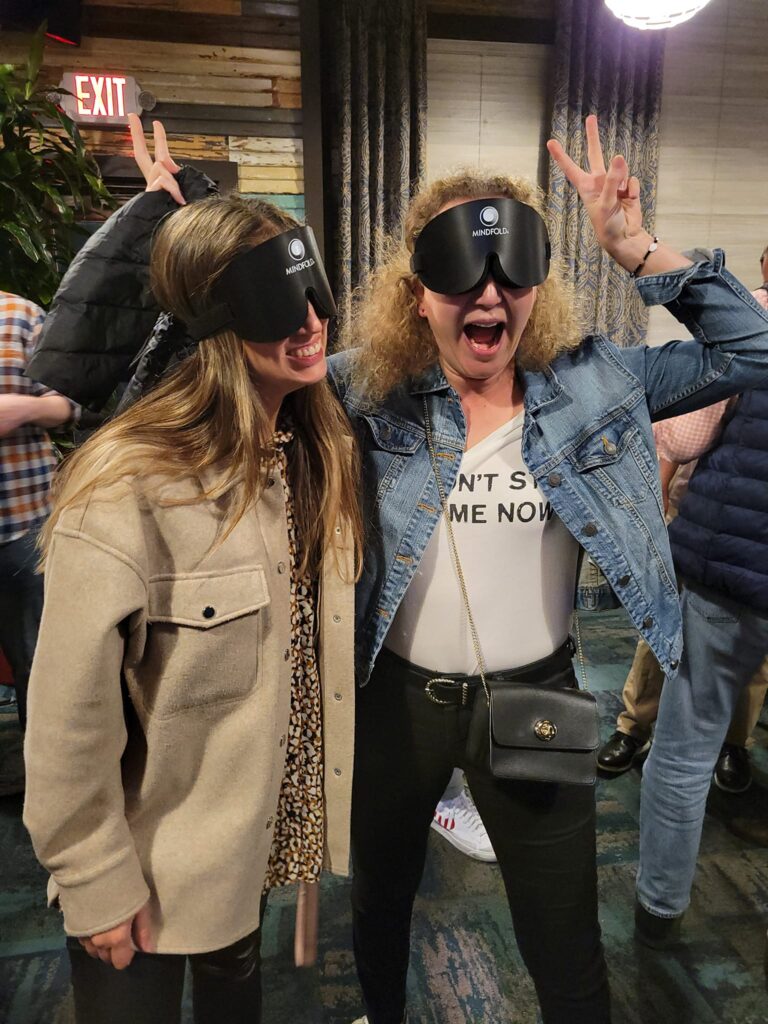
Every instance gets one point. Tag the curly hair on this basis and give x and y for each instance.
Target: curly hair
(394, 344)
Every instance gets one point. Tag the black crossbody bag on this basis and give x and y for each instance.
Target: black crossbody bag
(531, 724)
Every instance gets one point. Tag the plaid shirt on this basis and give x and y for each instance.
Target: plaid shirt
(27, 459)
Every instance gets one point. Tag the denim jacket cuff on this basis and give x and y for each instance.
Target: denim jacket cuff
(659, 289)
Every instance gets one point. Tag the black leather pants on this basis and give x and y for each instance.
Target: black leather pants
(226, 986)
(406, 748)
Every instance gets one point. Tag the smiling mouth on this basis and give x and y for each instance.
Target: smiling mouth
(307, 351)
(484, 337)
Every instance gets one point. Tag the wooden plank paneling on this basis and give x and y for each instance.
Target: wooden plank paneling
(181, 73)
(184, 7)
(261, 152)
(494, 8)
(181, 147)
(146, 59)
(270, 179)
(266, 122)
(280, 32)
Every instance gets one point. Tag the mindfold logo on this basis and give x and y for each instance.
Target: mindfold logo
(300, 266)
(489, 217)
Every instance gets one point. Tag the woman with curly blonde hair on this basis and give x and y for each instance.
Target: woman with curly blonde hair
(494, 441)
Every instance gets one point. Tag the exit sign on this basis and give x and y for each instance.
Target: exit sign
(98, 98)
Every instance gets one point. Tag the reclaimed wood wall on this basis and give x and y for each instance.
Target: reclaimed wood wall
(225, 75)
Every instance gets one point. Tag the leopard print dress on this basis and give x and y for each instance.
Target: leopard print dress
(299, 835)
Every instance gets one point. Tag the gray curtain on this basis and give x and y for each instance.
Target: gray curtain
(604, 67)
(374, 121)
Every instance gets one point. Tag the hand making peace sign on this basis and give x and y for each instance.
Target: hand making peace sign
(158, 173)
(612, 200)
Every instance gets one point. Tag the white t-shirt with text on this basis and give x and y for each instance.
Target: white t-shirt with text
(519, 563)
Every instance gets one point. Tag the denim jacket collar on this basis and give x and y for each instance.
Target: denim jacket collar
(430, 381)
(541, 387)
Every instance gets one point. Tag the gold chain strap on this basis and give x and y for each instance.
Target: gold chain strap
(454, 549)
(460, 571)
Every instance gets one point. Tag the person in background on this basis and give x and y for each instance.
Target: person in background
(761, 292)
(719, 543)
(680, 441)
(27, 461)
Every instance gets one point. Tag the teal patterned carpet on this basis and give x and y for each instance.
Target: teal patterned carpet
(464, 963)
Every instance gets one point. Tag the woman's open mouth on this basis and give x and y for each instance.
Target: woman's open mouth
(310, 353)
(484, 339)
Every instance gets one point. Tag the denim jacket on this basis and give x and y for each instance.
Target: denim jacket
(587, 440)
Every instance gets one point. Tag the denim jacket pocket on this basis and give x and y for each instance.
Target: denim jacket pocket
(391, 436)
(388, 444)
(617, 463)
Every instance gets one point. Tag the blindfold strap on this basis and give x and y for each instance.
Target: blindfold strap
(211, 322)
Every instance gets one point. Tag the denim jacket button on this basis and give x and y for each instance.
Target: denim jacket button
(590, 529)
(624, 580)
(554, 479)
(647, 622)
(673, 664)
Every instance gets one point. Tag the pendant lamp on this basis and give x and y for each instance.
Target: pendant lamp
(655, 13)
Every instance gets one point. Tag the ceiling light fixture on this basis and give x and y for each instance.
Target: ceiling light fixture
(647, 14)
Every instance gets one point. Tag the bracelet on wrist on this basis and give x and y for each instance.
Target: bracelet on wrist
(651, 248)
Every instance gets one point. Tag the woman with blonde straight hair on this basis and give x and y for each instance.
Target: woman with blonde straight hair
(191, 714)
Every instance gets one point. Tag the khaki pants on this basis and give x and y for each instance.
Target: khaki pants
(642, 692)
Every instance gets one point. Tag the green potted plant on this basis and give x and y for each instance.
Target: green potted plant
(48, 181)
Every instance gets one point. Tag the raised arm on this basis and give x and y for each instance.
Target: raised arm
(612, 200)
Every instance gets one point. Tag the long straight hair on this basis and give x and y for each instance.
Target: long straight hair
(207, 413)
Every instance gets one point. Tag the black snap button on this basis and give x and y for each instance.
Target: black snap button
(281, 567)
(673, 664)
(271, 482)
(624, 580)
(647, 622)
(337, 771)
(590, 529)
(286, 654)
(554, 479)
(208, 612)
(337, 696)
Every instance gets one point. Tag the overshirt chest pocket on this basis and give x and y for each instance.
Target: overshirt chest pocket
(614, 460)
(204, 639)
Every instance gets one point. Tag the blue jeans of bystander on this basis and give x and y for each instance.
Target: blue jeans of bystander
(724, 644)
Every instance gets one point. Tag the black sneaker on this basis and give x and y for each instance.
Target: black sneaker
(656, 932)
(733, 772)
(618, 754)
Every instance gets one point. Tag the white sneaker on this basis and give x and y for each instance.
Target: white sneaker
(364, 1020)
(457, 821)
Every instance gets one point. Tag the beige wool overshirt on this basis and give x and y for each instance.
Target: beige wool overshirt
(158, 711)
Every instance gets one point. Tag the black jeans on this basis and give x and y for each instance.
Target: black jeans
(544, 837)
(226, 986)
(21, 605)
